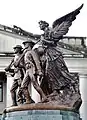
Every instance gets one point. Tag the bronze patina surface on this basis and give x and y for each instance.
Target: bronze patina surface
(46, 69)
(38, 106)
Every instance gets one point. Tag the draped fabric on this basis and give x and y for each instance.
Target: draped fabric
(57, 72)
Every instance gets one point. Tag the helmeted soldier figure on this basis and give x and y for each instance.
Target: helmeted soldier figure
(18, 75)
(33, 69)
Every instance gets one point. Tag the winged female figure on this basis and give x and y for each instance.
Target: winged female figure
(58, 75)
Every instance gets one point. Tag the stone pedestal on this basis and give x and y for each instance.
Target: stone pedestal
(42, 115)
(44, 112)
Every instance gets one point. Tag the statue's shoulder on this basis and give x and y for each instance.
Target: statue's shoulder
(26, 51)
(30, 53)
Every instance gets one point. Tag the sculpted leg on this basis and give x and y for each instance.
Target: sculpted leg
(13, 92)
(20, 96)
(26, 93)
(13, 96)
(27, 96)
(38, 89)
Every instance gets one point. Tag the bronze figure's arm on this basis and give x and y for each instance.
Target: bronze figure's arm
(20, 58)
(10, 65)
(37, 62)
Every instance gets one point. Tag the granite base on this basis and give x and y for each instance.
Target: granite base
(41, 115)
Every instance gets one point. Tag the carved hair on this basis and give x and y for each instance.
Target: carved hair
(44, 23)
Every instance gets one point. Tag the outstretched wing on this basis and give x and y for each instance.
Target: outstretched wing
(61, 25)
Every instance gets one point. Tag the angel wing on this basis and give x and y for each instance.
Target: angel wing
(61, 25)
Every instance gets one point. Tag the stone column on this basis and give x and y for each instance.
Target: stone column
(83, 91)
(79, 65)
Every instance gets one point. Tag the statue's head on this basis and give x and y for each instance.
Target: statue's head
(28, 43)
(43, 24)
(39, 49)
(17, 49)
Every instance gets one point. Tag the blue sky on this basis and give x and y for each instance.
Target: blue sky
(27, 13)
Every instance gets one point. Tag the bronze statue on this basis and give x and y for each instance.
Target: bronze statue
(59, 27)
(56, 70)
(57, 74)
(44, 59)
(33, 70)
(18, 75)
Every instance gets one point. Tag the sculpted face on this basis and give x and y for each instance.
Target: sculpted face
(16, 50)
(42, 26)
(27, 45)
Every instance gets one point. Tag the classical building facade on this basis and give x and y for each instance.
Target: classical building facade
(75, 55)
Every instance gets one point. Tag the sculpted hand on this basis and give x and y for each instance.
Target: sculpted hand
(40, 74)
(15, 64)
(25, 51)
(7, 69)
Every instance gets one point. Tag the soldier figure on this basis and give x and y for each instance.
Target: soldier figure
(18, 75)
(33, 69)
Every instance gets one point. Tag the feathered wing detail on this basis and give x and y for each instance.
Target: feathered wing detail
(61, 25)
